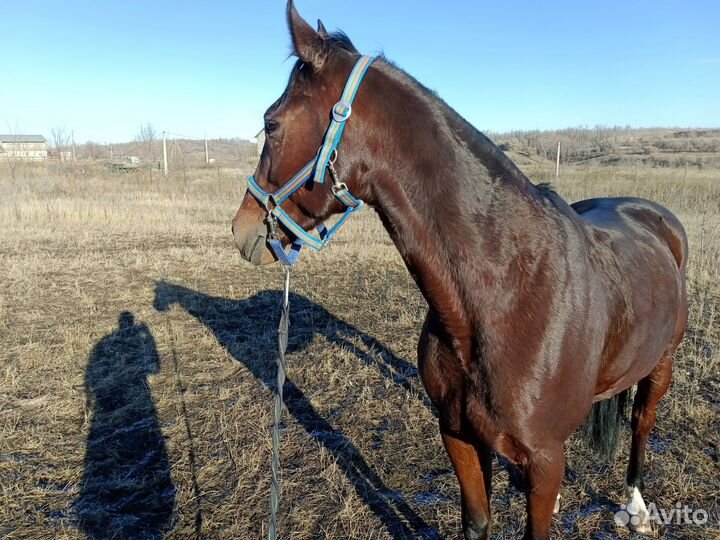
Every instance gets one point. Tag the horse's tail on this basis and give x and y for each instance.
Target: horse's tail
(601, 429)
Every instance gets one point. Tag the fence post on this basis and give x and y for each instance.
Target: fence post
(165, 167)
(557, 162)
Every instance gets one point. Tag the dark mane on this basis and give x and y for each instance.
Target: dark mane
(339, 41)
(334, 42)
(546, 189)
(494, 160)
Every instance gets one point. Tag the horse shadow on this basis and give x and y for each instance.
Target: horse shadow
(126, 491)
(247, 330)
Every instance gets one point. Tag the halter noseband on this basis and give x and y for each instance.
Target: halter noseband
(315, 170)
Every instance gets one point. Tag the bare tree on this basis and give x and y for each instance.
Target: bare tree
(60, 139)
(147, 137)
(92, 149)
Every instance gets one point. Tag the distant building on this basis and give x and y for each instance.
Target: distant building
(23, 147)
(260, 140)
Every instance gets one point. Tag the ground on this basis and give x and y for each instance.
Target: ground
(137, 366)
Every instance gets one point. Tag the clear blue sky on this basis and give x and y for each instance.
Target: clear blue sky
(103, 68)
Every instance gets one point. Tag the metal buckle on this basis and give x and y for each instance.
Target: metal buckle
(340, 117)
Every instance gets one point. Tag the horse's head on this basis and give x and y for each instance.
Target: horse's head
(295, 127)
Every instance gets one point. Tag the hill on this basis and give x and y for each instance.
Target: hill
(658, 147)
(599, 146)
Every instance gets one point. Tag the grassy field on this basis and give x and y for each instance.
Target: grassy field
(137, 361)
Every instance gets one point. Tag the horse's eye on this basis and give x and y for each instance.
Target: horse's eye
(271, 127)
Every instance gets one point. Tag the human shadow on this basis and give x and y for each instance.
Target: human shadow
(247, 330)
(127, 491)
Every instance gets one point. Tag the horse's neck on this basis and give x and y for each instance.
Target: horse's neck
(464, 251)
(463, 227)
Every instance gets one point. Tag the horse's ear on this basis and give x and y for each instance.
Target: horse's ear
(322, 31)
(308, 43)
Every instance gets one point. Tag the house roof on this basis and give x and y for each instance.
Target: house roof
(22, 138)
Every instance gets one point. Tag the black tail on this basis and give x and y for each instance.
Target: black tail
(601, 430)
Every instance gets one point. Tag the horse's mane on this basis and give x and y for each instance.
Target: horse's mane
(339, 42)
(546, 189)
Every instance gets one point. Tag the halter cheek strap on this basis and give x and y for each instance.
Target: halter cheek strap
(315, 169)
(340, 113)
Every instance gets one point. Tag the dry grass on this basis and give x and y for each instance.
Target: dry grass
(159, 425)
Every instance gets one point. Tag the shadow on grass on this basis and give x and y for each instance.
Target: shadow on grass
(247, 329)
(126, 490)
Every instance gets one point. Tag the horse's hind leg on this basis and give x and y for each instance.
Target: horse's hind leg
(649, 392)
(473, 466)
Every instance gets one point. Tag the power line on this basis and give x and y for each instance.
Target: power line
(185, 136)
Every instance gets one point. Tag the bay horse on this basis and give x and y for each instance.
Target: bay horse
(541, 313)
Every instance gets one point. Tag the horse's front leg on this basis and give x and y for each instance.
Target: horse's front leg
(473, 466)
(543, 475)
(444, 383)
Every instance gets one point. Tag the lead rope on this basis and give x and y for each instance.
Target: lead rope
(281, 370)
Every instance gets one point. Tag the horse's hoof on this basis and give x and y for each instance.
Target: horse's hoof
(635, 514)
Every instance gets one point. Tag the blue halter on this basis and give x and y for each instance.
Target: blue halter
(315, 170)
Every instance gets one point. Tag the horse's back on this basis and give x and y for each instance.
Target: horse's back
(635, 216)
(646, 245)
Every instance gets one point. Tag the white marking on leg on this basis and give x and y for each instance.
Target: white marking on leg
(637, 511)
(557, 505)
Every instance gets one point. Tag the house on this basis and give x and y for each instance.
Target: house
(260, 140)
(23, 147)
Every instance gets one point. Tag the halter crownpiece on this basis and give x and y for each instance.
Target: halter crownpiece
(315, 169)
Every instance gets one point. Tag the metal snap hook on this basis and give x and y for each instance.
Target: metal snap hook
(340, 186)
(271, 221)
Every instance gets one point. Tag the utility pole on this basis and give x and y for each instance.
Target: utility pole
(207, 156)
(72, 136)
(557, 162)
(111, 152)
(165, 168)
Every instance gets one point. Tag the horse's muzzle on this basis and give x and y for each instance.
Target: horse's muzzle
(253, 247)
(250, 231)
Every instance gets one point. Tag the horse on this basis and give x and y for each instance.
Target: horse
(541, 314)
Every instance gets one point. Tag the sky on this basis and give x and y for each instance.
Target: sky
(210, 68)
